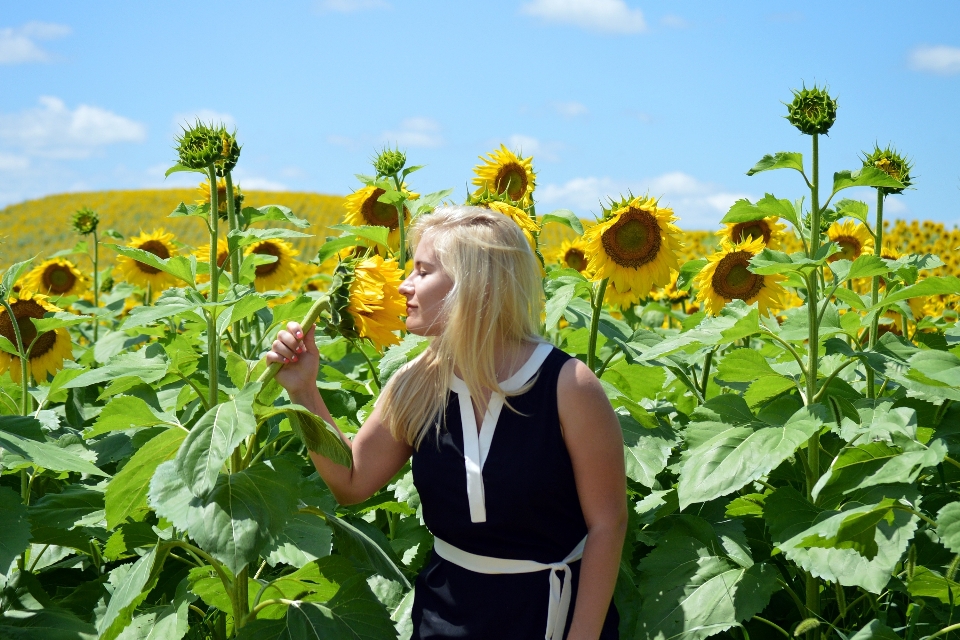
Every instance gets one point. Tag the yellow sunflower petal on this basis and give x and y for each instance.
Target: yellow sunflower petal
(726, 277)
(160, 244)
(56, 277)
(280, 274)
(769, 229)
(572, 254)
(853, 238)
(49, 350)
(527, 224)
(505, 172)
(375, 303)
(364, 208)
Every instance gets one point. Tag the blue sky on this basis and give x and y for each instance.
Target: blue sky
(675, 98)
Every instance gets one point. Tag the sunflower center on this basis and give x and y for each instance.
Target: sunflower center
(633, 240)
(23, 310)
(58, 279)
(379, 213)
(733, 281)
(751, 231)
(512, 179)
(269, 249)
(850, 248)
(575, 259)
(158, 249)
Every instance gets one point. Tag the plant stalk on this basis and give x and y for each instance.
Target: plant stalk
(322, 303)
(96, 283)
(401, 224)
(213, 355)
(597, 303)
(875, 295)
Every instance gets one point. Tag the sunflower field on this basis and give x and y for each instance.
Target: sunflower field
(785, 386)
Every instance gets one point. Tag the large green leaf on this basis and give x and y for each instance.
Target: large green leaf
(866, 177)
(744, 365)
(737, 320)
(47, 455)
(126, 412)
(646, 451)
(305, 538)
(565, 217)
(63, 510)
(690, 592)
(738, 455)
(366, 546)
(147, 365)
(400, 354)
(932, 286)
(778, 160)
(180, 267)
(927, 583)
(948, 526)
(875, 630)
(274, 212)
(313, 430)
(14, 528)
(354, 614)
(46, 624)
(213, 438)
(243, 514)
(241, 238)
(856, 531)
(127, 491)
(131, 590)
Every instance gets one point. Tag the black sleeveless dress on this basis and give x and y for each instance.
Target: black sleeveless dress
(528, 510)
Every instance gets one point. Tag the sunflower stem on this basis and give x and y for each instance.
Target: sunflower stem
(812, 586)
(875, 295)
(402, 227)
(213, 356)
(96, 283)
(597, 303)
(26, 406)
(322, 304)
(233, 224)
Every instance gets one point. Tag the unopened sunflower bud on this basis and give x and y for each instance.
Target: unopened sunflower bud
(200, 146)
(229, 152)
(389, 162)
(891, 163)
(812, 111)
(85, 221)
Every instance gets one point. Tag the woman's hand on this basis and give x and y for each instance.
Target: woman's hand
(298, 354)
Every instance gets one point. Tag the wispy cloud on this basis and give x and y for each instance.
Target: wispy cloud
(415, 132)
(53, 130)
(700, 205)
(18, 45)
(941, 60)
(350, 6)
(570, 109)
(604, 16)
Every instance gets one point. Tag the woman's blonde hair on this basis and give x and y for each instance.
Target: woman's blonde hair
(496, 298)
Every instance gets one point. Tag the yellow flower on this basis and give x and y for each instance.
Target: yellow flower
(223, 258)
(635, 247)
(504, 172)
(726, 278)
(572, 254)
(204, 191)
(375, 302)
(281, 273)
(50, 349)
(364, 208)
(770, 229)
(160, 244)
(56, 277)
(527, 224)
(853, 238)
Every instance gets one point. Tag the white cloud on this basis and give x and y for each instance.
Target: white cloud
(699, 205)
(206, 116)
(608, 16)
(55, 131)
(350, 6)
(11, 162)
(570, 109)
(530, 146)
(941, 60)
(18, 46)
(414, 132)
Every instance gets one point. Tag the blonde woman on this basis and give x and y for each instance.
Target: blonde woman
(516, 452)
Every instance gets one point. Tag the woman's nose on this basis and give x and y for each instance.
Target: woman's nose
(406, 287)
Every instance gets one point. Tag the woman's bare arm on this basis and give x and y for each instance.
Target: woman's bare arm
(595, 443)
(377, 456)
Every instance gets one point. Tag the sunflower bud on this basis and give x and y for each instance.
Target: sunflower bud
(229, 152)
(200, 146)
(891, 163)
(812, 111)
(389, 162)
(85, 221)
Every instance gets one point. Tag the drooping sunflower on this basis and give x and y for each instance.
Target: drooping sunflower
(203, 190)
(280, 274)
(853, 238)
(50, 349)
(56, 277)
(223, 258)
(527, 224)
(160, 244)
(670, 294)
(364, 208)
(769, 228)
(635, 247)
(726, 277)
(572, 254)
(366, 301)
(506, 173)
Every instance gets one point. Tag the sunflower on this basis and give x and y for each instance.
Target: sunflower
(56, 277)
(366, 301)
(572, 254)
(853, 238)
(670, 294)
(508, 174)
(50, 349)
(726, 277)
(769, 228)
(635, 247)
(223, 258)
(160, 244)
(279, 274)
(527, 224)
(204, 191)
(364, 208)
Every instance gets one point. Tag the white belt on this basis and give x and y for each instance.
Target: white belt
(559, 591)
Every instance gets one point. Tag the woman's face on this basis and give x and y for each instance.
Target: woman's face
(425, 289)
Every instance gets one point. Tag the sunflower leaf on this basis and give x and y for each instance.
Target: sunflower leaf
(935, 285)
(371, 233)
(14, 528)
(769, 262)
(565, 217)
(9, 347)
(779, 160)
(179, 167)
(57, 320)
(126, 493)
(688, 272)
(274, 212)
(948, 526)
(180, 267)
(428, 202)
(864, 266)
(241, 238)
(11, 275)
(47, 455)
(332, 247)
(866, 177)
(856, 209)
(199, 211)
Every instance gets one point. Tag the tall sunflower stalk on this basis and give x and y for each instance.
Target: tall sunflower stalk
(85, 222)
(389, 163)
